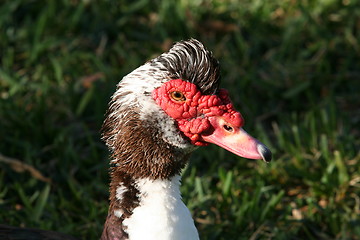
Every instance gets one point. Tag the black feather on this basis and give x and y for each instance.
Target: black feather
(191, 61)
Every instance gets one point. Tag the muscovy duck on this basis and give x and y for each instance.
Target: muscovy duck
(159, 114)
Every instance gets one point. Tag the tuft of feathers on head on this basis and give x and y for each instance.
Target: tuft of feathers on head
(189, 60)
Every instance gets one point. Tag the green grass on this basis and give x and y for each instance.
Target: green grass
(292, 68)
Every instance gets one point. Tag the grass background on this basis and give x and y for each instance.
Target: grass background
(292, 68)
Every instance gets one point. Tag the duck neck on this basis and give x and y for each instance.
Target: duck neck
(146, 208)
(145, 182)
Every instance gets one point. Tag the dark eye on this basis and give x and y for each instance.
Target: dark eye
(177, 96)
(228, 128)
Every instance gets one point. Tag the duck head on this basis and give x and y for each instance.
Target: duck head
(178, 93)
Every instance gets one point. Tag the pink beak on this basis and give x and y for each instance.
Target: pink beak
(235, 140)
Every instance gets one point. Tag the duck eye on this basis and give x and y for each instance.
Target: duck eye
(228, 128)
(177, 96)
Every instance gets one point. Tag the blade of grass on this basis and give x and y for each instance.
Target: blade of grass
(40, 203)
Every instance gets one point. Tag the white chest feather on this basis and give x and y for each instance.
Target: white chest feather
(161, 215)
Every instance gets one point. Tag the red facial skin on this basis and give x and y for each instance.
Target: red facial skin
(192, 113)
(208, 119)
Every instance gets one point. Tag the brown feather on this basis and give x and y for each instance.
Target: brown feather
(16, 233)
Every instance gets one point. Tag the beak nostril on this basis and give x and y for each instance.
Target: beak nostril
(228, 128)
